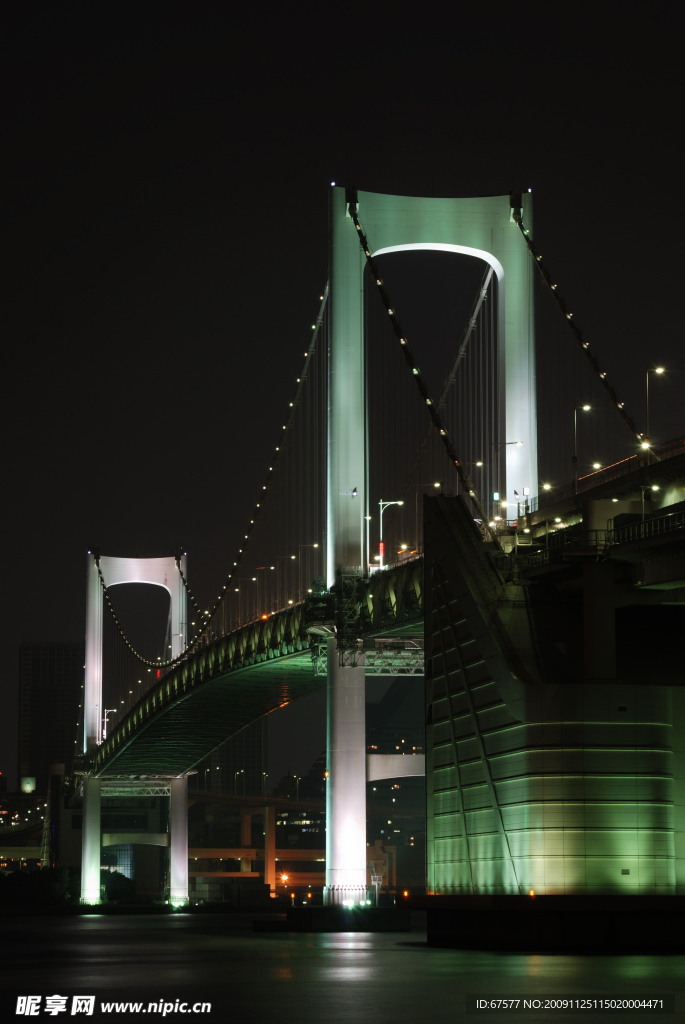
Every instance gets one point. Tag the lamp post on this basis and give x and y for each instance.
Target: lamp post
(111, 711)
(277, 559)
(556, 519)
(383, 505)
(585, 408)
(242, 579)
(643, 488)
(649, 369)
(498, 445)
(300, 548)
(262, 604)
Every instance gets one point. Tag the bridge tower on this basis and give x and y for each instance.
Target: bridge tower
(481, 227)
(163, 572)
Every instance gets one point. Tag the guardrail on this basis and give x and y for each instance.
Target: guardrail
(653, 527)
(510, 562)
(589, 542)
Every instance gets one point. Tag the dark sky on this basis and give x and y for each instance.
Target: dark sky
(165, 226)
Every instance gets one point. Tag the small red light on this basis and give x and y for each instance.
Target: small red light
(159, 673)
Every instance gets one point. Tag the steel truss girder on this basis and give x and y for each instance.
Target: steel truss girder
(382, 659)
(135, 787)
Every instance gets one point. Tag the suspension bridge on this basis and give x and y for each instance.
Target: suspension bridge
(411, 512)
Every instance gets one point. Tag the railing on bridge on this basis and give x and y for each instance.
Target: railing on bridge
(570, 544)
(617, 471)
(654, 527)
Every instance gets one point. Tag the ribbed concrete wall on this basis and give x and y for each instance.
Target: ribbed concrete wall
(559, 788)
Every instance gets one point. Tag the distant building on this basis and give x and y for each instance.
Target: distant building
(304, 787)
(395, 723)
(50, 687)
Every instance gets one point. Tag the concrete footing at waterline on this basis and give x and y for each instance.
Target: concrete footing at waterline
(598, 924)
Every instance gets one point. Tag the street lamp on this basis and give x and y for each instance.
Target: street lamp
(498, 445)
(585, 408)
(239, 590)
(111, 711)
(383, 505)
(649, 369)
(555, 519)
(643, 488)
(262, 603)
(277, 559)
(300, 548)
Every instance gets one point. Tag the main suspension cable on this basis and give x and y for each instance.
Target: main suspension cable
(544, 273)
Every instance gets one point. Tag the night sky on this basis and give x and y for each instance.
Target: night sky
(165, 227)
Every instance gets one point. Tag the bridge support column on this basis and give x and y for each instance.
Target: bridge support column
(346, 783)
(348, 503)
(90, 860)
(178, 853)
(270, 848)
(246, 840)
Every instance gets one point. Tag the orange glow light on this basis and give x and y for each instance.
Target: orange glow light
(532, 892)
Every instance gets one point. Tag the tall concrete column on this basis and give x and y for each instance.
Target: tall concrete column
(90, 860)
(346, 783)
(246, 840)
(346, 395)
(178, 852)
(347, 506)
(270, 848)
(92, 692)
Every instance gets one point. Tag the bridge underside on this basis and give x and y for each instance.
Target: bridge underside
(180, 736)
(220, 689)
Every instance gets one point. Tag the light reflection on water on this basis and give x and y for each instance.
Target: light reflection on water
(374, 978)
